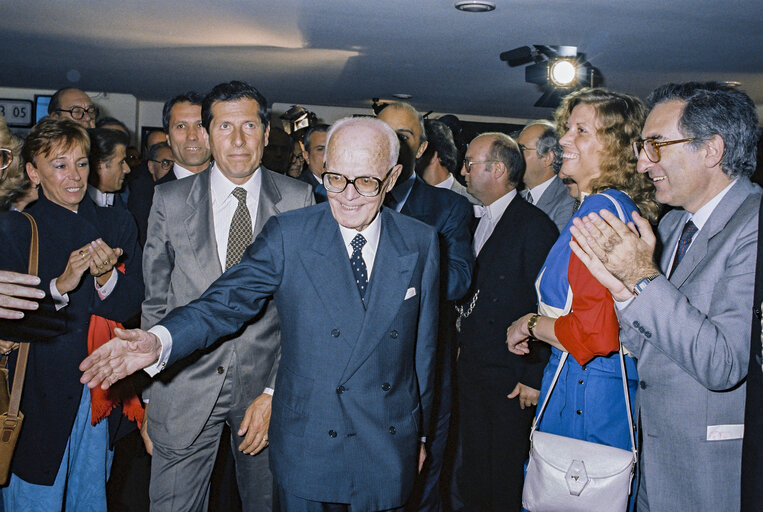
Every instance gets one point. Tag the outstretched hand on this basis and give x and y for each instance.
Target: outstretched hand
(130, 351)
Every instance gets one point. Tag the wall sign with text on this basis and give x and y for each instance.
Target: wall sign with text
(17, 112)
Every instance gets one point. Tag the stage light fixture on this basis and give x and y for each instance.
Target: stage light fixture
(562, 72)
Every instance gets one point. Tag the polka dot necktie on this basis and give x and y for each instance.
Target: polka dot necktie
(240, 234)
(358, 265)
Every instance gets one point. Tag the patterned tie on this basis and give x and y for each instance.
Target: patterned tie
(240, 234)
(527, 195)
(358, 265)
(683, 244)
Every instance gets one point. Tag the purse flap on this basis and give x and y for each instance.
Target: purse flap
(600, 461)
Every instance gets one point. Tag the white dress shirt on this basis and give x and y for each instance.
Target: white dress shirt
(224, 205)
(489, 217)
(103, 199)
(447, 183)
(537, 191)
(181, 172)
(371, 234)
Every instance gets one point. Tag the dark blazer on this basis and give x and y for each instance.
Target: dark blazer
(752, 447)
(505, 274)
(354, 387)
(451, 215)
(318, 189)
(52, 389)
(139, 203)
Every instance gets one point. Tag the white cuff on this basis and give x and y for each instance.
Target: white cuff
(624, 304)
(165, 338)
(267, 391)
(108, 287)
(61, 301)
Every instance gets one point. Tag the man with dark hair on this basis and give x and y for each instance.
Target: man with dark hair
(314, 147)
(437, 166)
(497, 389)
(539, 142)
(112, 123)
(451, 215)
(181, 119)
(72, 103)
(199, 226)
(686, 316)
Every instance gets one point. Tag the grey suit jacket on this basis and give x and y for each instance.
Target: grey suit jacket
(181, 261)
(691, 337)
(460, 189)
(557, 203)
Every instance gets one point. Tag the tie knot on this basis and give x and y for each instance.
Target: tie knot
(358, 242)
(240, 194)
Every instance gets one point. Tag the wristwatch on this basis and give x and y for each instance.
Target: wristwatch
(642, 284)
(531, 323)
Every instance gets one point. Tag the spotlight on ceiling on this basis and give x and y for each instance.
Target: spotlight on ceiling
(475, 6)
(557, 69)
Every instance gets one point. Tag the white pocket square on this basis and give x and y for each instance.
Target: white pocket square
(410, 293)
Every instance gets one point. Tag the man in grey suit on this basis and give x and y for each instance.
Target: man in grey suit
(687, 320)
(539, 142)
(439, 163)
(199, 227)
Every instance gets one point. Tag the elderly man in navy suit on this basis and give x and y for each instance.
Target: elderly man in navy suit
(354, 389)
(686, 315)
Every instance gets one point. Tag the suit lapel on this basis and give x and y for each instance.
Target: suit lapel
(199, 225)
(393, 266)
(267, 206)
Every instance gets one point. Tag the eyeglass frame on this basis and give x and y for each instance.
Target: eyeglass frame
(93, 114)
(10, 161)
(522, 147)
(468, 164)
(348, 181)
(163, 162)
(640, 145)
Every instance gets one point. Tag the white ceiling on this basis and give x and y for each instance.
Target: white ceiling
(344, 52)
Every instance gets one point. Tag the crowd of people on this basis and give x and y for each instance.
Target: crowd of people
(364, 316)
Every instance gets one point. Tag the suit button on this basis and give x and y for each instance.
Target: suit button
(335, 333)
(332, 433)
(579, 411)
(340, 390)
(386, 386)
(641, 330)
(392, 430)
(393, 334)
(648, 334)
(584, 368)
(495, 299)
(636, 324)
(220, 370)
(756, 311)
(501, 277)
(580, 381)
(642, 384)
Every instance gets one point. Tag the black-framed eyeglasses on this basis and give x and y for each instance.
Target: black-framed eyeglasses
(79, 112)
(652, 147)
(367, 186)
(6, 159)
(468, 163)
(166, 164)
(522, 147)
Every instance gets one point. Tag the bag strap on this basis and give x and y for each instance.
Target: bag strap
(18, 377)
(563, 359)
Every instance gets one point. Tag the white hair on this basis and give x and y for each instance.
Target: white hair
(382, 128)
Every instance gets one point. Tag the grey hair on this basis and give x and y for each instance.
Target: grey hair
(393, 144)
(548, 141)
(714, 108)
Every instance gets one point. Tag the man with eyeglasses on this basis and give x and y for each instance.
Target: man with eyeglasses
(451, 215)
(356, 287)
(539, 142)
(159, 160)
(74, 104)
(496, 389)
(686, 314)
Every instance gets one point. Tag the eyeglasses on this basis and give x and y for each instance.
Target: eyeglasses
(6, 158)
(652, 147)
(166, 164)
(367, 186)
(79, 112)
(522, 147)
(468, 163)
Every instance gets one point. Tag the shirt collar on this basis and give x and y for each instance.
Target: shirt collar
(699, 218)
(181, 172)
(447, 183)
(103, 199)
(371, 233)
(222, 187)
(538, 190)
(495, 210)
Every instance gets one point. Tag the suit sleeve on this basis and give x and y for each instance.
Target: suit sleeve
(158, 261)
(234, 298)
(712, 347)
(456, 250)
(426, 339)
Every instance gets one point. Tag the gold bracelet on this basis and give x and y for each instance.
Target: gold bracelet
(531, 323)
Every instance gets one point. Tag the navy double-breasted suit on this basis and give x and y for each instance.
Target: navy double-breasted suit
(354, 388)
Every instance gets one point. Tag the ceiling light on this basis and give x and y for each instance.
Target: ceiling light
(475, 6)
(403, 95)
(562, 72)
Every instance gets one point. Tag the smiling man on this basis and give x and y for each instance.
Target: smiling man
(181, 119)
(199, 227)
(686, 316)
(354, 388)
(74, 104)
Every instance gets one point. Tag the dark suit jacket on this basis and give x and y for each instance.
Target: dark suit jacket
(139, 203)
(354, 384)
(318, 189)
(52, 389)
(505, 274)
(752, 448)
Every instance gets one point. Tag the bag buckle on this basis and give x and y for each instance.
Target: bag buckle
(576, 477)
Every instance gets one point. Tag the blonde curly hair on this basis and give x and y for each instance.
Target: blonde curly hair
(13, 180)
(621, 117)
